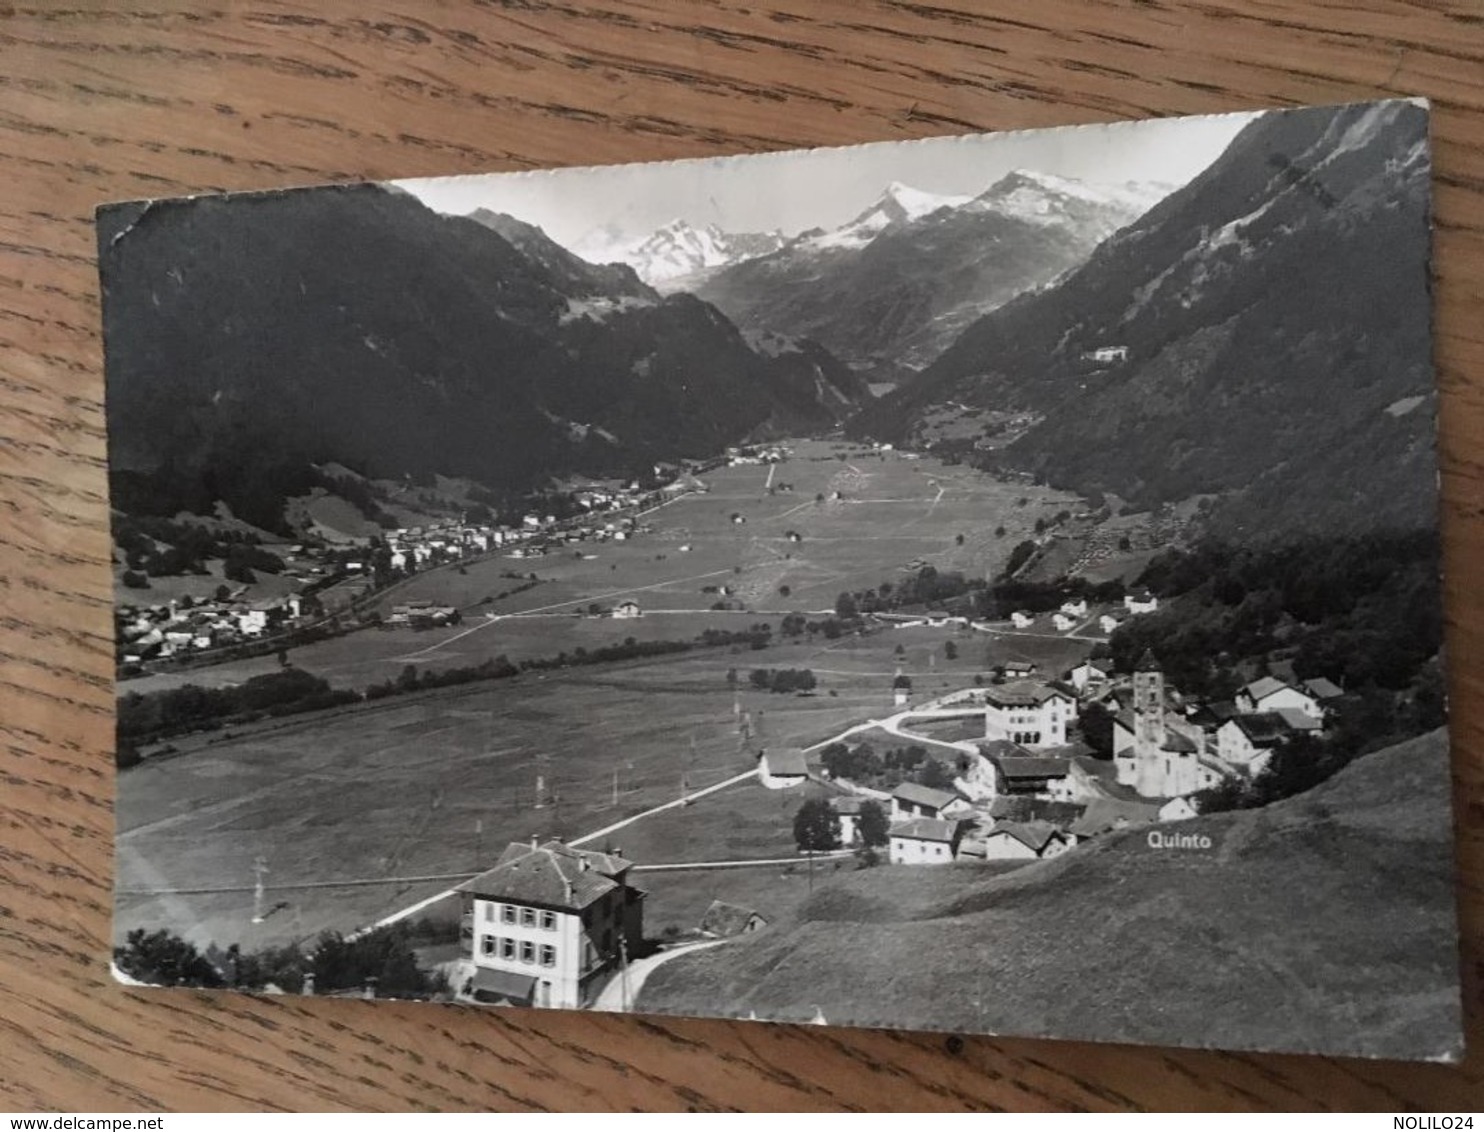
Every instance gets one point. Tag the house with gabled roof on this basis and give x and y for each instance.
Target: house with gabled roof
(1019, 841)
(1108, 815)
(548, 924)
(1028, 713)
(778, 768)
(913, 800)
(1268, 693)
(1248, 741)
(924, 841)
(1087, 673)
(723, 920)
(1140, 600)
(1323, 690)
(1033, 775)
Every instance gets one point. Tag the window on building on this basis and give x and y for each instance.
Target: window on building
(527, 951)
(487, 944)
(548, 921)
(489, 911)
(507, 949)
(528, 917)
(507, 913)
(548, 955)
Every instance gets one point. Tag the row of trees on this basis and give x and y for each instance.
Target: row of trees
(887, 770)
(782, 679)
(156, 715)
(152, 716)
(384, 957)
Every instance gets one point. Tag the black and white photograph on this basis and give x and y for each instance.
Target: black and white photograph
(986, 584)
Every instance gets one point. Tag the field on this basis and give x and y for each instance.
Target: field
(436, 784)
(389, 803)
(892, 511)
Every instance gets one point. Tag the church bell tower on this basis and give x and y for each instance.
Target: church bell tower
(1149, 706)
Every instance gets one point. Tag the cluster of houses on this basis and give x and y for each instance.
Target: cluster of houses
(1030, 789)
(739, 457)
(416, 547)
(182, 626)
(1075, 612)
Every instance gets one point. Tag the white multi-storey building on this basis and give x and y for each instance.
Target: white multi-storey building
(548, 923)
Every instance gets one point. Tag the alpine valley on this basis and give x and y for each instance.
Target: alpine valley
(1181, 359)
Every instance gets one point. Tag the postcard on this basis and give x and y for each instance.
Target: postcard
(985, 584)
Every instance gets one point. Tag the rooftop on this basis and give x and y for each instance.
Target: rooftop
(1103, 814)
(1264, 729)
(926, 829)
(1032, 834)
(723, 919)
(552, 875)
(1265, 686)
(920, 795)
(786, 761)
(1013, 768)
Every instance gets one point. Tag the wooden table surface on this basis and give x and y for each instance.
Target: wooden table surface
(103, 101)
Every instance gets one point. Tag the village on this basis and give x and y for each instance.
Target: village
(980, 765)
(554, 924)
(336, 584)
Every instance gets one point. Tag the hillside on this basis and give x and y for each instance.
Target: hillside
(1266, 334)
(892, 288)
(1323, 922)
(250, 336)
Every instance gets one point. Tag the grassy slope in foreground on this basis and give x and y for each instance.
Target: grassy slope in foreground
(1324, 923)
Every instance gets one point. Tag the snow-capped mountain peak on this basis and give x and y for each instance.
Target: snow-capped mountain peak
(898, 204)
(679, 249)
(1045, 198)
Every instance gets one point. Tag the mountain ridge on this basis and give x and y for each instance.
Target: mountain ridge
(1183, 358)
(887, 291)
(247, 338)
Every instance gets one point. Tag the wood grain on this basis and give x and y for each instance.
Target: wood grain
(101, 102)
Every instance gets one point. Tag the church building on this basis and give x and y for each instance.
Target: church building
(1155, 750)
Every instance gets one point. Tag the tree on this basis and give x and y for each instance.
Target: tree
(784, 591)
(223, 592)
(126, 755)
(1019, 557)
(164, 959)
(135, 580)
(1096, 722)
(950, 650)
(959, 539)
(902, 681)
(999, 532)
(935, 774)
(816, 827)
(872, 825)
(239, 572)
(845, 607)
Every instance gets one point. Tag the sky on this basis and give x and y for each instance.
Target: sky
(591, 208)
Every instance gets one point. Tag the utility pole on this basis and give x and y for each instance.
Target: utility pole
(623, 972)
(260, 870)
